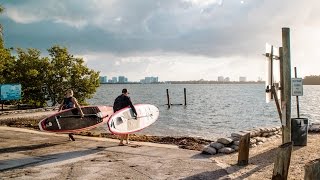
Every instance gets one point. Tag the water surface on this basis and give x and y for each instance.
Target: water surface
(212, 110)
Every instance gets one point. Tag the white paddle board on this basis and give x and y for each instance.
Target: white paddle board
(123, 122)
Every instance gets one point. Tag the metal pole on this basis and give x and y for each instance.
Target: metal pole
(286, 129)
(297, 97)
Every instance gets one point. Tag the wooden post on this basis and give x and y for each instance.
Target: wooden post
(244, 145)
(297, 97)
(281, 78)
(283, 109)
(312, 170)
(286, 129)
(275, 96)
(271, 73)
(185, 96)
(282, 162)
(168, 98)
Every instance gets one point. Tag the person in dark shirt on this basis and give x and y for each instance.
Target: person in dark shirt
(70, 102)
(123, 101)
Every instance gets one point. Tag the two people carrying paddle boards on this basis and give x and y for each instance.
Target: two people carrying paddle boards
(71, 102)
(123, 101)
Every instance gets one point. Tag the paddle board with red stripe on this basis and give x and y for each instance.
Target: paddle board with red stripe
(69, 120)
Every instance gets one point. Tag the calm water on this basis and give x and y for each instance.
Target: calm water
(212, 110)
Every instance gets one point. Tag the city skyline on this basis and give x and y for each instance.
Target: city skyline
(153, 79)
(124, 79)
(176, 40)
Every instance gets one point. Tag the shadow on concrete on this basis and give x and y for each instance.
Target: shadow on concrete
(47, 159)
(208, 175)
(202, 156)
(26, 148)
(267, 157)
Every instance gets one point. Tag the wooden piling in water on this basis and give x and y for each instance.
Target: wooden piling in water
(185, 96)
(168, 98)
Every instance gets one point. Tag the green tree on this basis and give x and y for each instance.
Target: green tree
(30, 71)
(6, 59)
(6, 65)
(1, 28)
(68, 72)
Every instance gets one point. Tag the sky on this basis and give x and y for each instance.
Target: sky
(174, 40)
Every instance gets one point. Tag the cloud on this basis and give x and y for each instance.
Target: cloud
(124, 33)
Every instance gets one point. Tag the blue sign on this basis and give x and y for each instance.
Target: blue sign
(10, 92)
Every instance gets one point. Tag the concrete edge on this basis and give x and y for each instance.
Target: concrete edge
(168, 146)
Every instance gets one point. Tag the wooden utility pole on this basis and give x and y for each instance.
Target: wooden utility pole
(286, 113)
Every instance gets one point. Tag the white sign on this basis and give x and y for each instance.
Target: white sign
(296, 87)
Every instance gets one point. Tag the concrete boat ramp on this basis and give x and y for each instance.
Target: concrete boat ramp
(30, 154)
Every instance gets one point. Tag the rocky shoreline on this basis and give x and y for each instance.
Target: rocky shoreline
(229, 145)
(226, 145)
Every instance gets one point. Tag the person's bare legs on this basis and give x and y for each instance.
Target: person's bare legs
(121, 140)
(127, 138)
(122, 137)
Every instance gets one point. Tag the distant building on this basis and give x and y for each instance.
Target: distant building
(220, 78)
(227, 79)
(114, 79)
(242, 79)
(121, 79)
(149, 80)
(103, 79)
